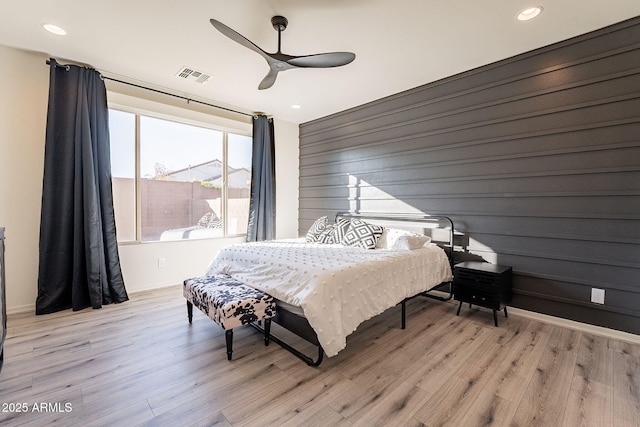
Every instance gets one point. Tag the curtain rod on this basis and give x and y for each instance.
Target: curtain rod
(158, 91)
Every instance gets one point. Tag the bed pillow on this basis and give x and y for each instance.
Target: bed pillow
(389, 237)
(362, 234)
(410, 242)
(334, 233)
(316, 229)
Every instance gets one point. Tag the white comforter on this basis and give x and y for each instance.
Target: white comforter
(337, 287)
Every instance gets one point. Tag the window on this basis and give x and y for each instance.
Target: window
(189, 182)
(122, 133)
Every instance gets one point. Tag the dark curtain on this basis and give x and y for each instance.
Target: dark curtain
(262, 207)
(79, 262)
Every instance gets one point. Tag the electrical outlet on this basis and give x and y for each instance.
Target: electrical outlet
(597, 295)
(162, 262)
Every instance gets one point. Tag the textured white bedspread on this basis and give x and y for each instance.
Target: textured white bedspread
(338, 287)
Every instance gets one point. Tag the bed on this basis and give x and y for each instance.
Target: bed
(326, 289)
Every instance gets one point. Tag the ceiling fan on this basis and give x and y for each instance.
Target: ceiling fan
(279, 61)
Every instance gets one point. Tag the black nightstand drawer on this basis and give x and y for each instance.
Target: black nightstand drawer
(476, 278)
(477, 296)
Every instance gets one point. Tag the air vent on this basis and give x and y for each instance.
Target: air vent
(193, 75)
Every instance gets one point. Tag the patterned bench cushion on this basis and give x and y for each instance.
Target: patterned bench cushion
(228, 302)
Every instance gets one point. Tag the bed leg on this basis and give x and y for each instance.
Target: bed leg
(228, 334)
(189, 311)
(267, 331)
(308, 360)
(404, 314)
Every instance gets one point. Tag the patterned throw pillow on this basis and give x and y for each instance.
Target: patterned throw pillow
(334, 233)
(210, 220)
(316, 229)
(362, 234)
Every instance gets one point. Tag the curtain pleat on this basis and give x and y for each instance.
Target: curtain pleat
(262, 205)
(79, 262)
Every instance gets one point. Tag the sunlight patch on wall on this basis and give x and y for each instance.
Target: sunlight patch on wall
(364, 197)
(483, 250)
(367, 198)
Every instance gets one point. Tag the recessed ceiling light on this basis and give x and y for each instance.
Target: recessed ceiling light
(529, 13)
(54, 29)
(296, 106)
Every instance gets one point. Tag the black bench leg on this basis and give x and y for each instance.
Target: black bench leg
(459, 307)
(267, 331)
(505, 311)
(495, 317)
(190, 311)
(229, 336)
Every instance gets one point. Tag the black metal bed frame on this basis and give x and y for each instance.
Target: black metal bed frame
(300, 326)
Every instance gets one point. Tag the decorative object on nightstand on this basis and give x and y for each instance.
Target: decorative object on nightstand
(483, 284)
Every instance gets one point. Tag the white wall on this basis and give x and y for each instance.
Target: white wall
(24, 87)
(287, 178)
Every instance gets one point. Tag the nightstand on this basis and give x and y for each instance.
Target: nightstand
(483, 284)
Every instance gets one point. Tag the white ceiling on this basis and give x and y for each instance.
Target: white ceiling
(398, 44)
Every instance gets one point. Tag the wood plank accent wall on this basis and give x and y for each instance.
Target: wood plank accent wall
(536, 158)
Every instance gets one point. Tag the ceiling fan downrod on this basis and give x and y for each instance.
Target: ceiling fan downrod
(279, 24)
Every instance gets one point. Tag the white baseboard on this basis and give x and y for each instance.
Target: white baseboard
(21, 309)
(31, 308)
(579, 326)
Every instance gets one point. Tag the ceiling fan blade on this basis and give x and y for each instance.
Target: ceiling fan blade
(238, 38)
(323, 60)
(269, 80)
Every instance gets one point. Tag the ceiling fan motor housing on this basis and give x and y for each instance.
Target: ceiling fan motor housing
(279, 23)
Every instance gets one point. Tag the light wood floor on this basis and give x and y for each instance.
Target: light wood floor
(141, 363)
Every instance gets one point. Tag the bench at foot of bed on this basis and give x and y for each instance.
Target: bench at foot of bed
(229, 303)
